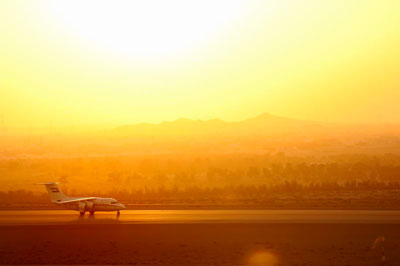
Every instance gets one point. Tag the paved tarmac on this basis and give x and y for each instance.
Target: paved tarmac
(200, 216)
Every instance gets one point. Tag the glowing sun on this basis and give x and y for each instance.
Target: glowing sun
(148, 28)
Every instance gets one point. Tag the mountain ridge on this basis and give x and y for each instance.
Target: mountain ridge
(261, 123)
(263, 116)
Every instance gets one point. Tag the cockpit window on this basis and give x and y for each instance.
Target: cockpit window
(113, 202)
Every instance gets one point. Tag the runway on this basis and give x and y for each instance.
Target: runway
(201, 216)
(198, 237)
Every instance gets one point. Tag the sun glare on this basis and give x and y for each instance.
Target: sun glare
(150, 29)
(263, 258)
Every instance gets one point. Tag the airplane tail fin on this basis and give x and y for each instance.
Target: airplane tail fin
(54, 191)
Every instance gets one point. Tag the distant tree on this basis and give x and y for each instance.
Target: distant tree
(114, 177)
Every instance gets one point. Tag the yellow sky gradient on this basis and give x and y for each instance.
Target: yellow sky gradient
(124, 62)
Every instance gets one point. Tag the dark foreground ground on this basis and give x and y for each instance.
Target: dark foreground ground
(199, 244)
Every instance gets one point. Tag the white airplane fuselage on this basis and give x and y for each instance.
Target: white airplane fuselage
(81, 204)
(97, 204)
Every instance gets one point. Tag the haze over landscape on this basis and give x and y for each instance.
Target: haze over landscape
(271, 96)
(335, 61)
(228, 132)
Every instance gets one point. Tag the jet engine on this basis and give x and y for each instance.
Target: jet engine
(89, 206)
(81, 206)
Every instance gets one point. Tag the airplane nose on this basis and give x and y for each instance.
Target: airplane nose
(122, 206)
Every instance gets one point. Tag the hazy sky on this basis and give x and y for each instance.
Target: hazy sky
(121, 62)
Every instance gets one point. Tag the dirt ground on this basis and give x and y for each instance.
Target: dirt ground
(199, 244)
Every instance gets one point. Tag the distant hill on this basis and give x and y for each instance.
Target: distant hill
(264, 123)
(257, 135)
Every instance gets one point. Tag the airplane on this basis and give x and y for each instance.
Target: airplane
(81, 204)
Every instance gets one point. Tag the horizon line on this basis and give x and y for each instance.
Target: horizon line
(110, 125)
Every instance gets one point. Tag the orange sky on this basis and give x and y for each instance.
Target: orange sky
(121, 62)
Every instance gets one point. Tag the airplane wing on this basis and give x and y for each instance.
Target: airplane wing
(77, 200)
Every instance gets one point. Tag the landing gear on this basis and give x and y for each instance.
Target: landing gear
(91, 212)
(118, 213)
(82, 213)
